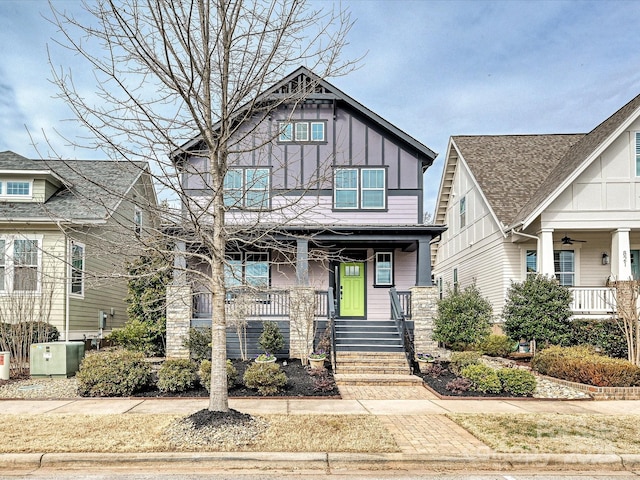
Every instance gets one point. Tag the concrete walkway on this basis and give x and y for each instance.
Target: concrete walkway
(413, 415)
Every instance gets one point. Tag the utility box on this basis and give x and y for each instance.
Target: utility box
(4, 365)
(55, 359)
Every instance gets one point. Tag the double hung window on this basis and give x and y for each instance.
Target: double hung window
(247, 188)
(20, 264)
(359, 188)
(77, 268)
(564, 266)
(384, 269)
(531, 262)
(247, 269)
(463, 212)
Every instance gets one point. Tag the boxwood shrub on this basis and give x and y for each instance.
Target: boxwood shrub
(459, 360)
(583, 365)
(517, 381)
(496, 346)
(112, 373)
(484, 379)
(176, 375)
(205, 374)
(267, 378)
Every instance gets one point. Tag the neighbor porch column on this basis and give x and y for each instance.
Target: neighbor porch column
(424, 307)
(621, 255)
(423, 273)
(179, 306)
(545, 255)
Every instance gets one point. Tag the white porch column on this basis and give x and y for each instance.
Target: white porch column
(621, 255)
(545, 255)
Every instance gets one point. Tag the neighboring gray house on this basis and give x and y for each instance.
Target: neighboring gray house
(65, 232)
(344, 188)
(562, 205)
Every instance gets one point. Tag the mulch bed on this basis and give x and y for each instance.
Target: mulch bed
(439, 384)
(299, 384)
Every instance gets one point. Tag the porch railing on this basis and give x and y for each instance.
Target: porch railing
(593, 300)
(271, 303)
(331, 305)
(404, 297)
(399, 317)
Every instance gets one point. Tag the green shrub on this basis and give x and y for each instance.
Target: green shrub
(267, 378)
(484, 379)
(176, 375)
(581, 364)
(463, 318)
(271, 340)
(459, 360)
(496, 346)
(199, 344)
(140, 336)
(32, 332)
(205, 374)
(112, 373)
(538, 308)
(517, 381)
(603, 334)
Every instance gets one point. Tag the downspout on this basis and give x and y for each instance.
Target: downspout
(67, 246)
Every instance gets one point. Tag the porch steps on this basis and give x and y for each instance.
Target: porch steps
(367, 336)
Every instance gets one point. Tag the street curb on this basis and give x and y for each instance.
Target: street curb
(321, 462)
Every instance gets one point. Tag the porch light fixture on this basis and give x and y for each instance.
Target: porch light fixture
(605, 258)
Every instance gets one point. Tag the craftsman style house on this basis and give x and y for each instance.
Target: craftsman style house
(338, 192)
(562, 205)
(63, 226)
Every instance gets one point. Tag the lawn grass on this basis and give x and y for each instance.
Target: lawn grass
(554, 433)
(131, 433)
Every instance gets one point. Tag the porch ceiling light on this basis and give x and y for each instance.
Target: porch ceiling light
(605, 258)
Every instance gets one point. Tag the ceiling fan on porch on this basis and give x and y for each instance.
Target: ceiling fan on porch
(566, 240)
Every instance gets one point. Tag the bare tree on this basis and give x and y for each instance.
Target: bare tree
(628, 316)
(168, 71)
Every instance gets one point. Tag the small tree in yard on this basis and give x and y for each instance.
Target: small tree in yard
(538, 309)
(628, 318)
(463, 318)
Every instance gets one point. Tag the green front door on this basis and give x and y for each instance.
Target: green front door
(351, 294)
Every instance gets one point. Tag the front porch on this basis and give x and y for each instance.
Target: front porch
(593, 302)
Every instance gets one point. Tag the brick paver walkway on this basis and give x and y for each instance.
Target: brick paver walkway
(431, 434)
(375, 392)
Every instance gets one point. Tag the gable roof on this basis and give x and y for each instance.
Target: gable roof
(81, 196)
(323, 90)
(508, 168)
(578, 158)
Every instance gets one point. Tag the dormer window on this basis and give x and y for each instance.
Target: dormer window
(15, 188)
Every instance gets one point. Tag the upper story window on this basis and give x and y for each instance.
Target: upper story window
(637, 154)
(137, 220)
(359, 188)
(384, 269)
(15, 188)
(20, 264)
(77, 268)
(302, 131)
(247, 188)
(463, 212)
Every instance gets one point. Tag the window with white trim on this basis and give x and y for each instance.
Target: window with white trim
(455, 279)
(16, 188)
(302, 131)
(564, 267)
(20, 264)
(247, 188)
(77, 268)
(637, 154)
(531, 262)
(463, 212)
(137, 220)
(384, 269)
(440, 285)
(359, 188)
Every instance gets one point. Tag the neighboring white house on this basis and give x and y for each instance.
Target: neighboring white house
(563, 205)
(67, 227)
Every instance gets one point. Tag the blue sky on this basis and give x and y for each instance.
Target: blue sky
(433, 68)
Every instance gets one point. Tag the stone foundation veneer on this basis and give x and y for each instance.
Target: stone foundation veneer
(301, 305)
(424, 306)
(178, 319)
